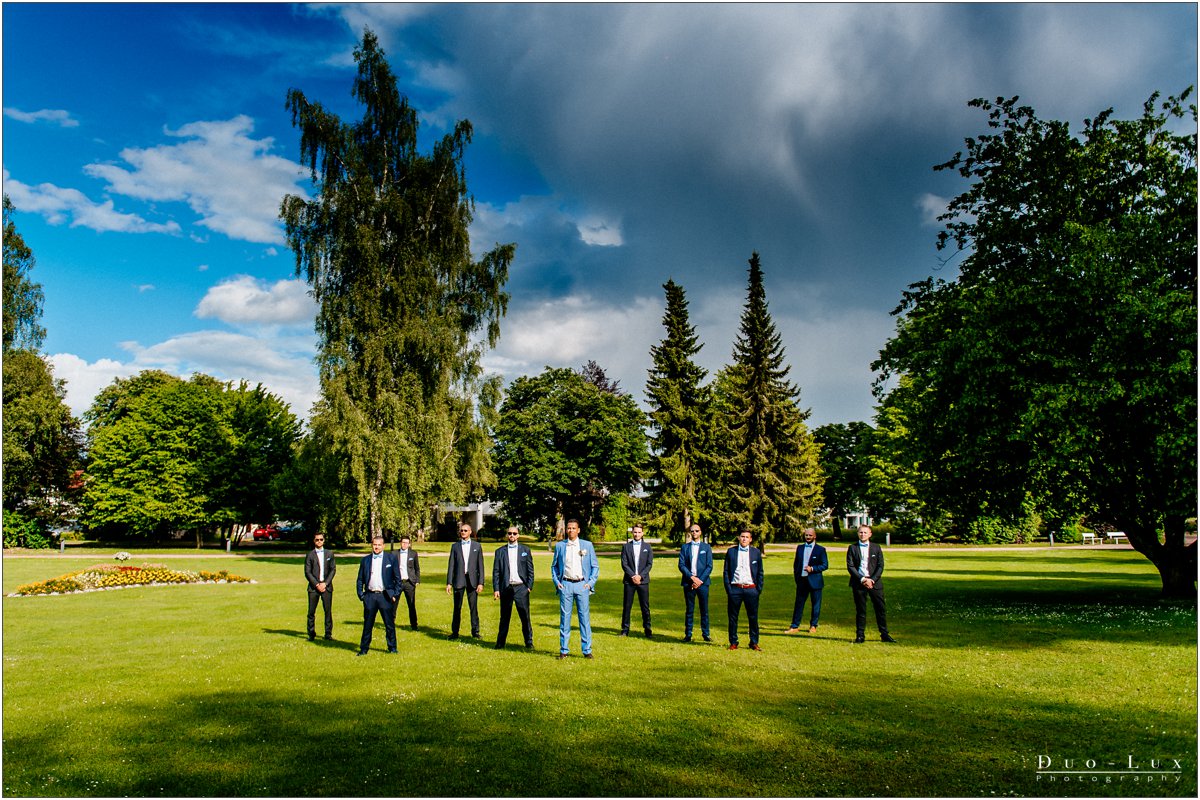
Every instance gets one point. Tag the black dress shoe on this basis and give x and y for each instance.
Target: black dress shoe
(362, 652)
(623, 633)
(453, 636)
(708, 639)
(859, 640)
(886, 638)
(392, 650)
(498, 646)
(312, 637)
(329, 637)
(649, 635)
(529, 645)
(687, 639)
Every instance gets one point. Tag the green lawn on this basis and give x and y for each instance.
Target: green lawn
(1004, 656)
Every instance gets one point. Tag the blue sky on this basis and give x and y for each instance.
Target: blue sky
(146, 150)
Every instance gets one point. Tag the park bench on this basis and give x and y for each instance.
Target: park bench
(1091, 538)
(1118, 537)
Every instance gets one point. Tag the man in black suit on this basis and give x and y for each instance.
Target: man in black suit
(864, 561)
(410, 576)
(636, 561)
(378, 587)
(809, 571)
(318, 571)
(512, 581)
(464, 575)
(743, 585)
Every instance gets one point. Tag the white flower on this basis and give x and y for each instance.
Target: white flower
(122, 556)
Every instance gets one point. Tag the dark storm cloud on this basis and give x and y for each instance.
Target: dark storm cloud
(672, 140)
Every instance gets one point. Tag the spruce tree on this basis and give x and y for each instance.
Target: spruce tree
(772, 477)
(679, 414)
(403, 305)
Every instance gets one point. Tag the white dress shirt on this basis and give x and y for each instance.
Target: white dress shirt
(376, 582)
(403, 564)
(742, 574)
(320, 565)
(513, 576)
(466, 553)
(572, 563)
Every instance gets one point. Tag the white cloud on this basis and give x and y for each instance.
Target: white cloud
(57, 205)
(245, 300)
(600, 232)
(144, 287)
(230, 179)
(283, 364)
(63, 118)
(932, 207)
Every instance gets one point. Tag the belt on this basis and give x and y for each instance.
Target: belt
(374, 591)
(573, 580)
(744, 585)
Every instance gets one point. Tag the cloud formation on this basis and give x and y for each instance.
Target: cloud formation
(58, 205)
(228, 178)
(245, 300)
(58, 116)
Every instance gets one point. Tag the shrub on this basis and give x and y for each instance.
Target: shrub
(20, 531)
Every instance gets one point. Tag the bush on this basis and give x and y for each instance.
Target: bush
(995, 530)
(20, 531)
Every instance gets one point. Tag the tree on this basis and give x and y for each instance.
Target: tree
(1057, 373)
(679, 416)
(168, 454)
(772, 477)
(402, 304)
(563, 445)
(844, 458)
(42, 441)
(22, 297)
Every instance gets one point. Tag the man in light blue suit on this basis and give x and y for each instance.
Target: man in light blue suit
(696, 565)
(574, 570)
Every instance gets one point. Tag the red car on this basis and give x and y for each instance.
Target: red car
(269, 532)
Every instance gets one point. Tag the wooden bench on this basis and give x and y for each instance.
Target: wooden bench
(1118, 537)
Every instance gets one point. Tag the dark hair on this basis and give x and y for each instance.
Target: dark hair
(405, 536)
(572, 519)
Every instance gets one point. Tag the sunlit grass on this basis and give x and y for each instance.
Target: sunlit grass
(215, 689)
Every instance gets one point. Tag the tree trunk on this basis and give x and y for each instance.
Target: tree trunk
(837, 516)
(1175, 561)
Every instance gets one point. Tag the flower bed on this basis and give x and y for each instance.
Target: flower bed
(112, 576)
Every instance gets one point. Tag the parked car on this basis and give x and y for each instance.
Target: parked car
(268, 532)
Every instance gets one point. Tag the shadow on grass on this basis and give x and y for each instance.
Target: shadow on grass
(806, 736)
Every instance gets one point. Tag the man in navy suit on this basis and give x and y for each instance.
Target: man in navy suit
(512, 581)
(696, 565)
(743, 584)
(864, 561)
(410, 576)
(465, 576)
(636, 561)
(318, 571)
(808, 569)
(378, 587)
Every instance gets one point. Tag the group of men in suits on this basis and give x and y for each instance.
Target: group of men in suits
(383, 577)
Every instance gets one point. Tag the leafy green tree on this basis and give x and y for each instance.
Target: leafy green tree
(22, 297)
(402, 303)
(168, 454)
(845, 454)
(563, 446)
(1057, 373)
(679, 414)
(771, 475)
(42, 441)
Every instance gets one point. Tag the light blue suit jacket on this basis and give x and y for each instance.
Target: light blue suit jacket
(587, 559)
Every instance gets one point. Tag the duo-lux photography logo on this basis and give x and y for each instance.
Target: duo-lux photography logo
(1134, 769)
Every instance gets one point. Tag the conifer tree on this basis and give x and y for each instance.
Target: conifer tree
(385, 247)
(772, 477)
(679, 414)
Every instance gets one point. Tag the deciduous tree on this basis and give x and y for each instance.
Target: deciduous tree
(845, 453)
(402, 302)
(22, 297)
(1057, 373)
(563, 445)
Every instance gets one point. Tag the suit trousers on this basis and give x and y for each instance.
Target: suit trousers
(378, 603)
(737, 597)
(518, 595)
(803, 592)
(472, 603)
(409, 590)
(690, 596)
(574, 594)
(325, 598)
(643, 594)
(861, 593)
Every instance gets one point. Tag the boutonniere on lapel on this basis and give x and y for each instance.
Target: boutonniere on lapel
(582, 552)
